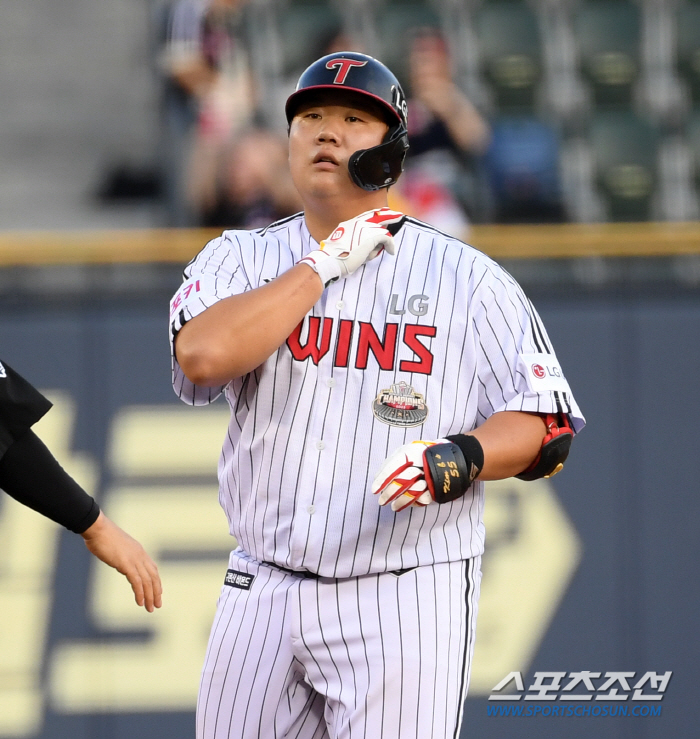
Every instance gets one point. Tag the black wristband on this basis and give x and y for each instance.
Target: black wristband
(33, 476)
(450, 468)
(473, 453)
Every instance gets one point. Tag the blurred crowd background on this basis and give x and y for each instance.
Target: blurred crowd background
(154, 113)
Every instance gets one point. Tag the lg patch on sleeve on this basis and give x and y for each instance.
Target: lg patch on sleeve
(543, 373)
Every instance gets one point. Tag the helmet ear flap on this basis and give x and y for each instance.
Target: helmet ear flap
(380, 166)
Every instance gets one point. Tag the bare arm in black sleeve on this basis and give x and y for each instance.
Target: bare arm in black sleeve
(33, 476)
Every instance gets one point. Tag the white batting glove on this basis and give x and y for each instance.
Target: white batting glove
(353, 243)
(401, 480)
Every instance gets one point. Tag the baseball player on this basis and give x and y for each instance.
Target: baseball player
(378, 371)
(31, 475)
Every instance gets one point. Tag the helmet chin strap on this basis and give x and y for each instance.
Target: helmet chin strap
(380, 166)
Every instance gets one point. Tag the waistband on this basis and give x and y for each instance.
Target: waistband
(308, 575)
(299, 573)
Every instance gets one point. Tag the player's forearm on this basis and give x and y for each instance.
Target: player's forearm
(239, 333)
(511, 440)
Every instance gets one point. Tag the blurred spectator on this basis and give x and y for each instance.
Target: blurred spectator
(208, 97)
(523, 170)
(444, 130)
(249, 184)
(254, 184)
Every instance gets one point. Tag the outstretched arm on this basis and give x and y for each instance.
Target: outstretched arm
(33, 476)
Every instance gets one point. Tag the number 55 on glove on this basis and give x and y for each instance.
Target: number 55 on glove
(424, 472)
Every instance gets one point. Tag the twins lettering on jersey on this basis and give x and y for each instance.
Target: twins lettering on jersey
(318, 341)
(383, 348)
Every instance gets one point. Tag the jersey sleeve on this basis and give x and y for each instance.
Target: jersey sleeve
(518, 369)
(21, 406)
(213, 275)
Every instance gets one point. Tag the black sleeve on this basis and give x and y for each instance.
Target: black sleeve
(33, 476)
(21, 406)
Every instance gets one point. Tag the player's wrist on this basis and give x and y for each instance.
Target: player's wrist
(451, 465)
(326, 267)
(472, 450)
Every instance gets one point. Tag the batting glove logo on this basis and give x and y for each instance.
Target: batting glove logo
(354, 242)
(401, 479)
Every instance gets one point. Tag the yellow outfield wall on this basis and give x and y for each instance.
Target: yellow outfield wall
(164, 245)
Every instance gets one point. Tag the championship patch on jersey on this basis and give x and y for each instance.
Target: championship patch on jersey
(543, 373)
(240, 580)
(400, 405)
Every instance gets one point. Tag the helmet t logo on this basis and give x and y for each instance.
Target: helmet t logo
(343, 68)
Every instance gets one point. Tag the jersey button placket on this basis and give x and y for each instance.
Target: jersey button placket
(303, 530)
(330, 381)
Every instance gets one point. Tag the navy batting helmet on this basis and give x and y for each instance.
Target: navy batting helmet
(379, 166)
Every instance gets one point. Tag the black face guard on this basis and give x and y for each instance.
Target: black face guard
(380, 166)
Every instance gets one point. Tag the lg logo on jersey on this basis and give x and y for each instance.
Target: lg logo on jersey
(540, 372)
(416, 304)
(317, 343)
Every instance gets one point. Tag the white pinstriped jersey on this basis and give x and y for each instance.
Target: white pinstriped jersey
(420, 345)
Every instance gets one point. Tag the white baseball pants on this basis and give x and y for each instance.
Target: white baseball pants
(381, 656)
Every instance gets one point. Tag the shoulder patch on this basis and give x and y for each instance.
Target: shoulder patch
(543, 373)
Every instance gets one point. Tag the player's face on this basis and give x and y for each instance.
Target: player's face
(324, 134)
